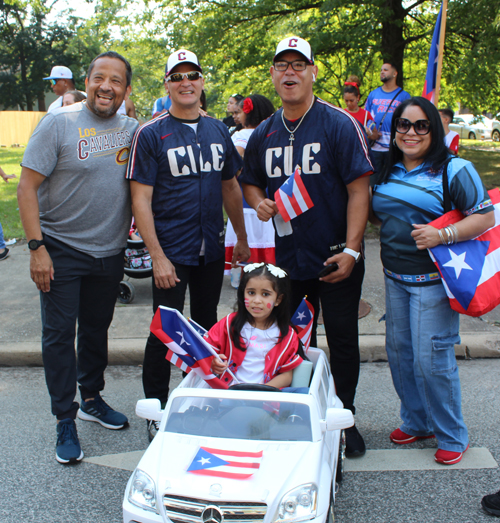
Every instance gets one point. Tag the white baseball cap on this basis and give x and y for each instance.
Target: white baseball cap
(294, 43)
(182, 56)
(59, 71)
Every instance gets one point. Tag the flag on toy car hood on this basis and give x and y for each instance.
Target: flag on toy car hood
(471, 269)
(292, 197)
(186, 348)
(303, 319)
(224, 463)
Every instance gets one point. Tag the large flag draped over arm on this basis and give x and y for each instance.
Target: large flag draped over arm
(186, 348)
(429, 91)
(471, 269)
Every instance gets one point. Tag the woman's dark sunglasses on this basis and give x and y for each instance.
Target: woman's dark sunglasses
(421, 126)
(192, 76)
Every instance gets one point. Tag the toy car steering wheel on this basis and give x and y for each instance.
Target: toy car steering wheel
(254, 386)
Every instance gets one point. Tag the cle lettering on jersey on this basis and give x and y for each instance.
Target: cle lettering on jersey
(182, 161)
(279, 160)
(103, 144)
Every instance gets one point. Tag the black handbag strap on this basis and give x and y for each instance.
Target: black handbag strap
(446, 190)
(388, 107)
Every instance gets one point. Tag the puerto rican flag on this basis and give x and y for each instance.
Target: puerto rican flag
(292, 197)
(470, 270)
(429, 91)
(225, 463)
(186, 348)
(303, 319)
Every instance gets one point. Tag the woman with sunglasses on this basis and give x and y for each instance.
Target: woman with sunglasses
(421, 327)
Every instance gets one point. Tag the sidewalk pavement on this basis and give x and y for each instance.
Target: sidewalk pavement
(20, 325)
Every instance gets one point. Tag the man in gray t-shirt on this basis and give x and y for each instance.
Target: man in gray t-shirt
(74, 204)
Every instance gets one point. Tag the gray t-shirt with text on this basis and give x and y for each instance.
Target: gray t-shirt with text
(85, 198)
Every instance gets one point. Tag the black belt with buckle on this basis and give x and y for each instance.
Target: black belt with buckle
(337, 249)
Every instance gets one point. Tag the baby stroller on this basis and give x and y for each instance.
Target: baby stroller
(137, 265)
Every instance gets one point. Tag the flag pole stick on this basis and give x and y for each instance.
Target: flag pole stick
(441, 51)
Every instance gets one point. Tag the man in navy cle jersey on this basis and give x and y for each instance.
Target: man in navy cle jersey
(182, 170)
(332, 152)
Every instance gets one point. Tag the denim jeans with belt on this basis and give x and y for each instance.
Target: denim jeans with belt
(421, 331)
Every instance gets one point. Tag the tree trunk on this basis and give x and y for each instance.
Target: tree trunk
(393, 41)
(41, 103)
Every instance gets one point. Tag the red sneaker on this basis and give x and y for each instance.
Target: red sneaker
(447, 457)
(401, 438)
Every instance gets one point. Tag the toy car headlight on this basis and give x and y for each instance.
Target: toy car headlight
(142, 491)
(298, 504)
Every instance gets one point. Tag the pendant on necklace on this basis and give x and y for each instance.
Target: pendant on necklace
(292, 138)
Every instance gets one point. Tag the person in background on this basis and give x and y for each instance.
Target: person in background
(231, 108)
(4, 251)
(491, 504)
(61, 79)
(162, 104)
(351, 99)
(127, 108)
(451, 138)
(421, 327)
(72, 97)
(382, 102)
(251, 112)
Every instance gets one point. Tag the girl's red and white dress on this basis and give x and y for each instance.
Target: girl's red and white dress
(266, 355)
(260, 235)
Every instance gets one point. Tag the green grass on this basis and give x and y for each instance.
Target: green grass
(486, 162)
(10, 159)
(484, 155)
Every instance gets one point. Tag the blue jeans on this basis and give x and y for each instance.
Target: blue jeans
(2, 241)
(421, 331)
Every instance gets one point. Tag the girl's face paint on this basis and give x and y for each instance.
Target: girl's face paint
(260, 300)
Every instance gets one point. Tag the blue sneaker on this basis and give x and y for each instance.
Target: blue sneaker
(68, 448)
(98, 410)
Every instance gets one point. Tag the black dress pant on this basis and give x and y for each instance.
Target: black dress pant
(205, 284)
(84, 289)
(339, 303)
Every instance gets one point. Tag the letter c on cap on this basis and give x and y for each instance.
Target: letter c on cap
(182, 56)
(292, 42)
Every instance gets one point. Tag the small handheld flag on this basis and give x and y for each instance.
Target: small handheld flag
(303, 319)
(186, 348)
(292, 197)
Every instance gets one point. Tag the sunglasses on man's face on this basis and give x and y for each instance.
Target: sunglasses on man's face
(192, 76)
(53, 82)
(421, 126)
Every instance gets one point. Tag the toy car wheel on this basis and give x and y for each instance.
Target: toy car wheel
(472, 136)
(495, 135)
(340, 462)
(126, 294)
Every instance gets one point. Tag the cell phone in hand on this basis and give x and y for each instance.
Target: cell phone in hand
(328, 269)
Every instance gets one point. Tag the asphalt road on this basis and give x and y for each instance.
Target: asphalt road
(35, 488)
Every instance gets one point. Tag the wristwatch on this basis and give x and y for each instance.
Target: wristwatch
(353, 253)
(34, 244)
